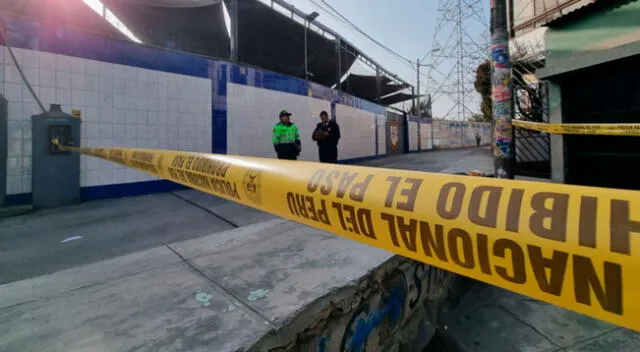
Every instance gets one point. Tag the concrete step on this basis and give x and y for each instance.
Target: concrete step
(16, 210)
(275, 284)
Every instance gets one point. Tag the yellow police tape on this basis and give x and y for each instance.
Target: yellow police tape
(627, 129)
(567, 245)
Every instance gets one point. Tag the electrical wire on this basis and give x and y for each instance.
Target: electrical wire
(334, 13)
(5, 37)
(346, 21)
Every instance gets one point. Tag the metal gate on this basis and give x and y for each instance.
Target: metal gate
(532, 148)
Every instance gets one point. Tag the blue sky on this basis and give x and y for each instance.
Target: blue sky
(406, 26)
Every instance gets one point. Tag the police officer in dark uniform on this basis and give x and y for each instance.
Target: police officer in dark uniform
(327, 135)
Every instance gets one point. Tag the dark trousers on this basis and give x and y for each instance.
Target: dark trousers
(328, 154)
(285, 156)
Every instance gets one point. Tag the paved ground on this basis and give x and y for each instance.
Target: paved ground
(174, 272)
(492, 319)
(186, 271)
(504, 321)
(220, 292)
(448, 161)
(31, 245)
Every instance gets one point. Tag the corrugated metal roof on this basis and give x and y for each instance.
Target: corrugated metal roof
(583, 7)
(562, 9)
(569, 7)
(529, 46)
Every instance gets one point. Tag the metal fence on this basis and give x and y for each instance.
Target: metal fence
(532, 148)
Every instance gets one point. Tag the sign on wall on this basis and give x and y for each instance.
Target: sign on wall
(395, 135)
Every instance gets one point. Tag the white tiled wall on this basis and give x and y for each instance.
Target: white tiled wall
(413, 135)
(425, 136)
(252, 112)
(358, 132)
(120, 106)
(382, 135)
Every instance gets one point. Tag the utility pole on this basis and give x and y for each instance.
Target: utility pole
(417, 94)
(307, 21)
(306, 62)
(413, 99)
(233, 45)
(503, 152)
(417, 111)
(339, 52)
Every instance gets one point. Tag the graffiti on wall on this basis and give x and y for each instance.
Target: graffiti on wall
(501, 95)
(394, 134)
(372, 321)
(382, 318)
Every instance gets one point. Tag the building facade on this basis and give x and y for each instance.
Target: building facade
(591, 51)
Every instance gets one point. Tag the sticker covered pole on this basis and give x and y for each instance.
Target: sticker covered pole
(501, 91)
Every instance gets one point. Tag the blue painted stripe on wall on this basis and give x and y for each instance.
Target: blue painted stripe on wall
(128, 189)
(282, 83)
(218, 76)
(219, 131)
(29, 34)
(371, 107)
(18, 199)
(333, 111)
(222, 79)
(258, 78)
(405, 141)
(238, 74)
(108, 191)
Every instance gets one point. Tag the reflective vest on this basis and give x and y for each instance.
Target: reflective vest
(283, 134)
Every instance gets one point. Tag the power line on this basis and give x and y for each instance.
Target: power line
(5, 37)
(334, 13)
(346, 21)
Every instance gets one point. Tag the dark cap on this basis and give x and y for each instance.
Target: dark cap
(284, 113)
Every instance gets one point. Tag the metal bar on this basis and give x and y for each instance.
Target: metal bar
(545, 18)
(234, 30)
(306, 63)
(417, 97)
(293, 9)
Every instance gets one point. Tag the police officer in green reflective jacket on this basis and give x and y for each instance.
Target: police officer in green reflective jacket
(286, 138)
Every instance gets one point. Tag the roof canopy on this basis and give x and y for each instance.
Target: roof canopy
(71, 13)
(177, 3)
(365, 86)
(266, 38)
(396, 98)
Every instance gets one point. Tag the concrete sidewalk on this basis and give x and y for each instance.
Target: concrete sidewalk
(48, 241)
(191, 272)
(222, 292)
(445, 161)
(172, 272)
(492, 319)
(34, 244)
